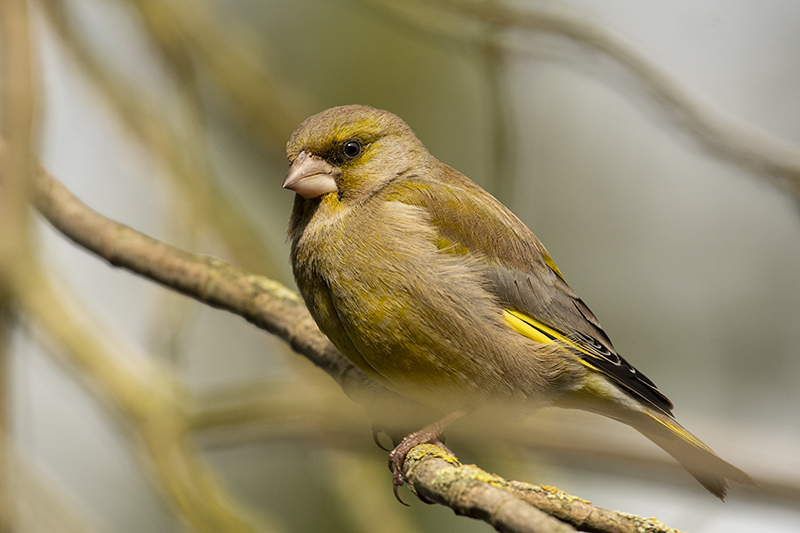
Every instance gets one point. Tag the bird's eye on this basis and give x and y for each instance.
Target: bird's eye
(352, 149)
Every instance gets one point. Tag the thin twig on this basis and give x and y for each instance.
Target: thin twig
(737, 140)
(734, 138)
(270, 110)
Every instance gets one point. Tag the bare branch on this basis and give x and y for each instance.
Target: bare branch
(263, 302)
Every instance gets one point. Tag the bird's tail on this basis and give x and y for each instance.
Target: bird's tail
(698, 459)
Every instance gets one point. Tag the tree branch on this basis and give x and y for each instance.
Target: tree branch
(438, 477)
(263, 302)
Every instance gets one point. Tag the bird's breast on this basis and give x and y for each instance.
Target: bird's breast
(413, 316)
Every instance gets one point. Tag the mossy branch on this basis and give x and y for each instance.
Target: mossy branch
(438, 477)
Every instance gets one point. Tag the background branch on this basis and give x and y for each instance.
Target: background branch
(735, 139)
(183, 150)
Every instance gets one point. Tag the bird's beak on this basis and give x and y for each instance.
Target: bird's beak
(310, 176)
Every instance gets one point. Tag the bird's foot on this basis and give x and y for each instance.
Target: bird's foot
(397, 457)
(430, 434)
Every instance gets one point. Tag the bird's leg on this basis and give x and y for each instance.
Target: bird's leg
(429, 434)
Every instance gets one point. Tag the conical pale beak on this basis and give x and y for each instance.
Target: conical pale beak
(311, 177)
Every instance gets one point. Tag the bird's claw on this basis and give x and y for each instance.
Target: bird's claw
(430, 434)
(395, 489)
(396, 459)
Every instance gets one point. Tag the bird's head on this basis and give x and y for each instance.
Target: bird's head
(350, 151)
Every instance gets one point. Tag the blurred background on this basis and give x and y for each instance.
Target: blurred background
(653, 147)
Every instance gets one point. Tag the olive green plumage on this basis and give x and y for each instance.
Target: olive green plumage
(433, 288)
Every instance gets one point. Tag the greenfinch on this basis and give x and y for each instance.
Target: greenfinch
(434, 289)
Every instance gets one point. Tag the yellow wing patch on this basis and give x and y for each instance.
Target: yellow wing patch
(523, 326)
(536, 331)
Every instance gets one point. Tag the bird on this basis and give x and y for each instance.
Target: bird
(434, 289)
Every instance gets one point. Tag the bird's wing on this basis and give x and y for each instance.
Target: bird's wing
(538, 302)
